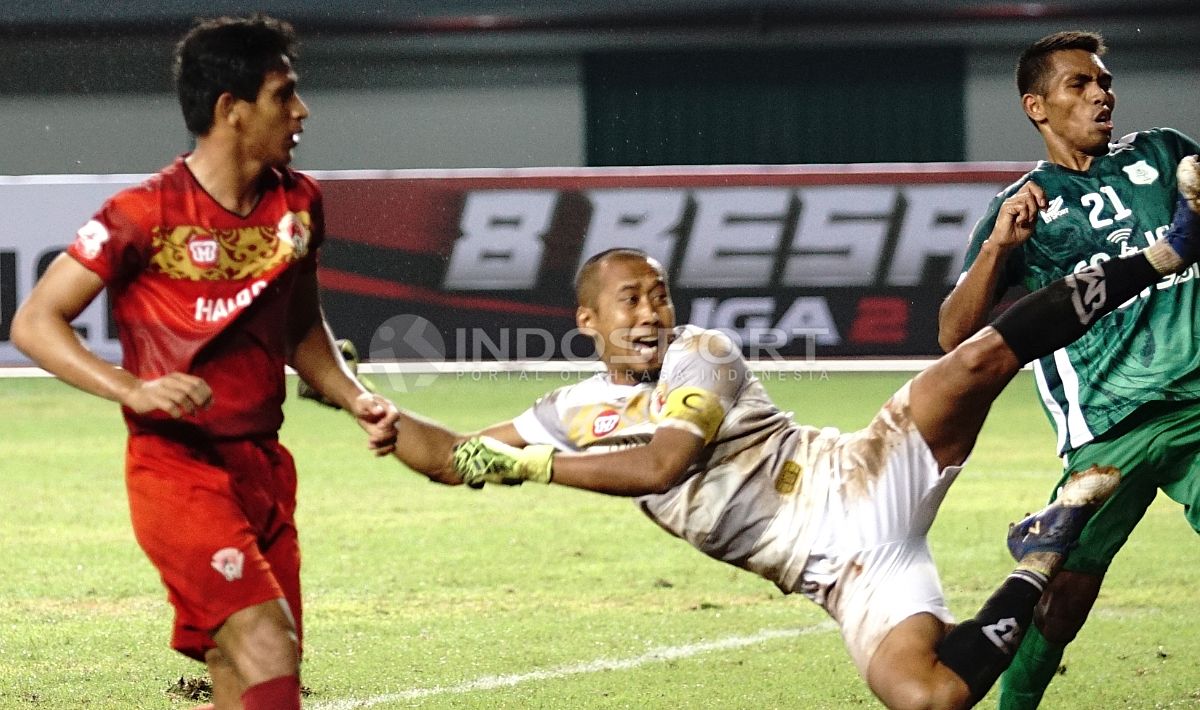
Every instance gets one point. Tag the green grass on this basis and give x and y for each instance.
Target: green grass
(410, 585)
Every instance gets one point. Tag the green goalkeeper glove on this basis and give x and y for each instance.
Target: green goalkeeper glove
(485, 460)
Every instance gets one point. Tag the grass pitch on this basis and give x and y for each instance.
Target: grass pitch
(424, 596)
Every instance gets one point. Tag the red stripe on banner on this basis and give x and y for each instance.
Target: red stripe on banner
(413, 215)
(382, 288)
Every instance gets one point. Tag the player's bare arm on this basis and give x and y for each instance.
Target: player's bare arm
(427, 447)
(42, 330)
(967, 307)
(654, 467)
(315, 358)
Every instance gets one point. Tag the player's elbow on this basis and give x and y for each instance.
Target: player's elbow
(948, 339)
(669, 457)
(665, 474)
(985, 357)
(24, 329)
(951, 332)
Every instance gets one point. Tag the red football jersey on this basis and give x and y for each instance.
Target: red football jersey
(196, 288)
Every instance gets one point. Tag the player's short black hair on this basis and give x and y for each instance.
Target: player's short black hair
(230, 54)
(1033, 68)
(585, 280)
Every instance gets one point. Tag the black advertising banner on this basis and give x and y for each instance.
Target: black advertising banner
(477, 265)
(794, 261)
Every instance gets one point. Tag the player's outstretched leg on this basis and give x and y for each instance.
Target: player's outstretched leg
(979, 649)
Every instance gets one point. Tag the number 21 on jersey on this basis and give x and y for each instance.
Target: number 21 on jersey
(1096, 203)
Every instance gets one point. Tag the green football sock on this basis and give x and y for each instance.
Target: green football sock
(1032, 669)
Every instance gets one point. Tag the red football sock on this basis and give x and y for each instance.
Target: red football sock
(282, 693)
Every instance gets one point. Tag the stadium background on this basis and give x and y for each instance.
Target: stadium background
(409, 604)
(570, 86)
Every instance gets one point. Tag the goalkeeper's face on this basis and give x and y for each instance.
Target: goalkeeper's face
(630, 318)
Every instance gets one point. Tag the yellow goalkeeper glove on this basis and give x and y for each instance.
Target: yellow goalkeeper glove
(485, 460)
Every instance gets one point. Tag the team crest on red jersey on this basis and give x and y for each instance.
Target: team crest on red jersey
(605, 422)
(203, 250)
(293, 232)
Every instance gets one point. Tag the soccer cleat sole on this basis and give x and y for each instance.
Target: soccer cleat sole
(1055, 529)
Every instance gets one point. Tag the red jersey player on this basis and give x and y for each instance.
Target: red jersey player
(211, 270)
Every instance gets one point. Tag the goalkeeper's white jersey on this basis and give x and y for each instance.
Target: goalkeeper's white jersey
(728, 504)
(840, 518)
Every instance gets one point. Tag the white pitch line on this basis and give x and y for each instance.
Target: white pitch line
(657, 655)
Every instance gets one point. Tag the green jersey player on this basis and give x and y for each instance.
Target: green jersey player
(1126, 394)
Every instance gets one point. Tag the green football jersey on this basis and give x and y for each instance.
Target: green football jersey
(1146, 350)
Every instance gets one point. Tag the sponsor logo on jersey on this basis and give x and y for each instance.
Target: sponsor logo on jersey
(214, 310)
(1141, 173)
(91, 238)
(204, 251)
(605, 422)
(1054, 210)
(228, 562)
(294, 233)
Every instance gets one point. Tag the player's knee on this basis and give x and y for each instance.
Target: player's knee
(985, 357)
(920, 694)
(260, 644)
(1065, 605)
(273, 643)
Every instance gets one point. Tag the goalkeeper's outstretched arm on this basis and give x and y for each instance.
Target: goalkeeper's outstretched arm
(639, 470)
(653, 467)
(427, 447)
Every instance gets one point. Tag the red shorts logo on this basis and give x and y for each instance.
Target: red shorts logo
(228, 561)
(605, 422)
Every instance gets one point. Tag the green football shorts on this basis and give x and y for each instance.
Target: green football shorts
(1157, 446)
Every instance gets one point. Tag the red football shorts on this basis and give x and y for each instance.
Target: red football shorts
(217, 521)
